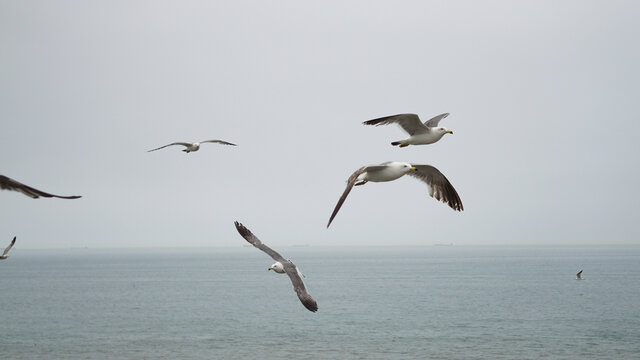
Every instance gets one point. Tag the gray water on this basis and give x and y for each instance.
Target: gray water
(374, 303)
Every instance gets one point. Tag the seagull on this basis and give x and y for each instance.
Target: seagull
(439, 187)
(10, 184)
(6, 251)
(579, 275)
(281, 266)
(421, 134)
(193, 146)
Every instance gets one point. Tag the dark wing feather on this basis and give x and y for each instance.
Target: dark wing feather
(433, 122)
(409, 122)
(439, 187)
(6, 251)
(299, 288)
(253, 240)
(350, 183)
(10, 184)
(217, 141)
(175, 143)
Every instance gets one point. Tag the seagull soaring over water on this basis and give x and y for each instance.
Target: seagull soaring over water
(10, 184)
(421, 134)
(439, 187)
(281, 266)
(193, 146)
(579, 275)
(6, 251)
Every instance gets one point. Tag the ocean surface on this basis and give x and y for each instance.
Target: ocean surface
(439, 302)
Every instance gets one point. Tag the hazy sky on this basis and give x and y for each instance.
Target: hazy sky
(543, 97)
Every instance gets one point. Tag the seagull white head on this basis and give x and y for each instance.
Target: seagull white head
(408, 167)
(277, 267)
(443, 130)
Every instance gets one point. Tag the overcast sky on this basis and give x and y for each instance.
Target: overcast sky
(543, 97)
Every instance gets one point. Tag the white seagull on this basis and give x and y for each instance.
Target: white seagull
(421, 134)
(281, 266)
(189, 147)
(6, 251)
(439, 187)
(579, 275)
(10, 184)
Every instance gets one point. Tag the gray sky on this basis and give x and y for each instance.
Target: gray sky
(542, 94)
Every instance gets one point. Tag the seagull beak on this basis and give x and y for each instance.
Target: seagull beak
(413, 168)
(449, 132)
(270, 269)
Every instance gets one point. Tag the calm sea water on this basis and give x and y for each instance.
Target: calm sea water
(375, 303)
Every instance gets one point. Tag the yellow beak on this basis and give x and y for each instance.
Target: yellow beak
(270, 269)
(449, 132)
(414, 168)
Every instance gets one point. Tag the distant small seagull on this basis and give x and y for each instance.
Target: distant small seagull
(421, 134)
(281, 266)
(193, 146)
(439, 187)
(6, 251)
(10, 184)
(579, 275)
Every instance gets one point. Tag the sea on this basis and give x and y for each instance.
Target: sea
(431, 302)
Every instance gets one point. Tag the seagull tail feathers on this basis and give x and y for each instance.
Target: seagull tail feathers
(402, 143)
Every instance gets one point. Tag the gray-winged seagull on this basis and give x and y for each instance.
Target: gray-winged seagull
(420, 134)
(189, 147)
(6, 251)
(439, 187)
(281, 266)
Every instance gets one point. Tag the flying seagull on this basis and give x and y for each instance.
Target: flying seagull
(10, 184)
(6, 251)
(189, 147)
(281, 266)
(579, 275)
(439, 187)
(421, 134)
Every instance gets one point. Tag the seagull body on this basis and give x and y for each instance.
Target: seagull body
(6, 251)
(579, 275)
(10, 184)
(189, 147)
(439, 187)
(282, 266)
(420, 134)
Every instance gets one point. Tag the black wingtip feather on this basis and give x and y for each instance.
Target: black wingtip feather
(241, 229)
(308, 302)
(311, 307)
